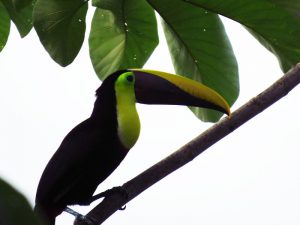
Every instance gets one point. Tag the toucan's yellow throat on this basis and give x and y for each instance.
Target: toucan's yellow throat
(127, 116)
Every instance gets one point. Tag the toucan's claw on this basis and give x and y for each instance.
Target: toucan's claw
(119, 190)
(109, 192)
(97, 196)
(122, 207)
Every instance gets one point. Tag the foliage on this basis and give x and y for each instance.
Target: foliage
(19, 13)
(124, 34)
(274, 23)
(4, 26)
(13, 203)
(60, 26)
(195, 37)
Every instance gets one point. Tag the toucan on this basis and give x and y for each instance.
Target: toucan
(94, 148)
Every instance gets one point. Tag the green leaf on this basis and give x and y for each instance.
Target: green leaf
(60, 26)
(19, 4)
(14, 208)
(22, 18)
(275, 23)
(4, 26)
(123, 35)
(200, 49)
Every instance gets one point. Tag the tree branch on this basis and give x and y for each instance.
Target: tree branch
(195, 147)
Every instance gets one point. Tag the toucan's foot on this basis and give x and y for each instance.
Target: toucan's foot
(109, 192)
(79, 216)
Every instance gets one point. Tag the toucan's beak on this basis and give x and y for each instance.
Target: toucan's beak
(155, 87)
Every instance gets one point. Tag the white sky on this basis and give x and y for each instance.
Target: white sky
(250, 177)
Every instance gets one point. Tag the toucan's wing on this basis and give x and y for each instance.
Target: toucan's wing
(84, 145)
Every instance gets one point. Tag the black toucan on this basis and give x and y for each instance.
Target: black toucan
(95, 147)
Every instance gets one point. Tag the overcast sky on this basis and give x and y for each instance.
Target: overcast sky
(250, 177)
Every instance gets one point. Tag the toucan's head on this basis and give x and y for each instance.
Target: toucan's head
(155, 87)
(121, 90)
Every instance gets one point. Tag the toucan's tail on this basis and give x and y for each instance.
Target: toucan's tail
(46, 215)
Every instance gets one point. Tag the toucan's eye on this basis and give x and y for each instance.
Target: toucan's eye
(129, 78)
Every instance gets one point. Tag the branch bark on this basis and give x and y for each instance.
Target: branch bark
(195, 147)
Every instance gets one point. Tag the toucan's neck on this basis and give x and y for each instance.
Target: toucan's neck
(104, 112)
(115, 109)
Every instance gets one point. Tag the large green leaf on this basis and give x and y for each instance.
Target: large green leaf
(123, 35)
(60, 26)
(19, 4)
(14, 208)
(4, 26)
(22, 18)
(275, 23)
(200, 49)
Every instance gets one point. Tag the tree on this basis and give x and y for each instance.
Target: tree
(286, 55)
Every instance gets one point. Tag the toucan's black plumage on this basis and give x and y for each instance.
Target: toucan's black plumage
(94, 148)
(87, 155)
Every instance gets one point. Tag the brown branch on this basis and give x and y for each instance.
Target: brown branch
(195, 147)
